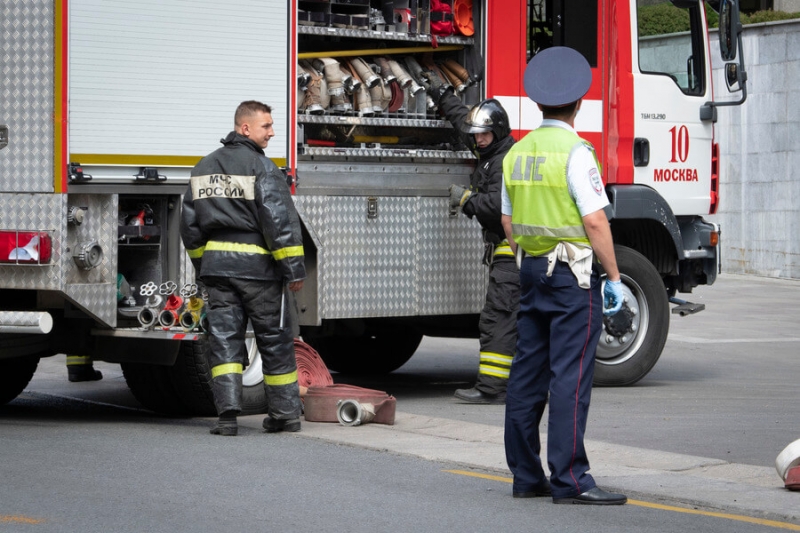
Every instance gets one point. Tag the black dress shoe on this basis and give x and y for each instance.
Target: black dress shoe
(595, 496)
(543, 491)
(473, 395)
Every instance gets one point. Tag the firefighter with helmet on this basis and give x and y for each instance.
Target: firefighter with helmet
(485, 129)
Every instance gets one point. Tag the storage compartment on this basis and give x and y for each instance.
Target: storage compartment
(362, 92)
(142, 231)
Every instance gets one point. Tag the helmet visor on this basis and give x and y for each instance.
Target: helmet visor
(478, 120)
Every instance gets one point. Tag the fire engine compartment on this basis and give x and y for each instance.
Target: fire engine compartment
(338, 39)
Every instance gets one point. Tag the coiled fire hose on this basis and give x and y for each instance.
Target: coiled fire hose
(311, 370)
(323, 401)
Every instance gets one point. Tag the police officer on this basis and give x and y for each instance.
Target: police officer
(242, 232)
(553, 215)
(485, 129)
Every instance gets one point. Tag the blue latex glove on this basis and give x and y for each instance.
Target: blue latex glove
(612, 297)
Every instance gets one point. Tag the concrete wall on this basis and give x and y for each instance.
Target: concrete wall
(790, 6)
(760, 155)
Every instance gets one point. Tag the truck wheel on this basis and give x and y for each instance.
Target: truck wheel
(182, 389)
(15, 374)
(631, 343)
(254, 392)
(374, 352)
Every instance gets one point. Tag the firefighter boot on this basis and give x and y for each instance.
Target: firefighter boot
(80, 368)
(274, 425)
(227, 426)
(473, 395)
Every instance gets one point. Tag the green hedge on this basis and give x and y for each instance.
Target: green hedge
(665, 18)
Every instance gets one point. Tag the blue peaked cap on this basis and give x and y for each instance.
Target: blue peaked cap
(557, 76)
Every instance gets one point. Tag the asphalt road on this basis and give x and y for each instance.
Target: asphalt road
(693, 445)
(727, 385)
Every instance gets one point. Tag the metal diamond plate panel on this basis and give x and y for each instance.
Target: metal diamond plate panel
(26, 95)
(367, 266)
(411, 259)
(451, 272)
(95, 290)
(39, 212)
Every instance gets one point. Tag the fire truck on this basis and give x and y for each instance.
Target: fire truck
(107, 105)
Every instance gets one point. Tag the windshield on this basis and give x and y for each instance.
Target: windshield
(671, 43)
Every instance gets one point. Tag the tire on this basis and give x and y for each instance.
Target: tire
(629, 349)
(182, 389)
(254, 391)
(15, 374)
(379, 350)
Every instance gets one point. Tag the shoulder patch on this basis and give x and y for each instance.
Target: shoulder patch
(597, 183)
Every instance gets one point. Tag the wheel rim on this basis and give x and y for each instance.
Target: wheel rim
(252, 376)
(616, 350)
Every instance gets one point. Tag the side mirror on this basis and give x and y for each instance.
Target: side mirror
(729, 27)
(732, 78)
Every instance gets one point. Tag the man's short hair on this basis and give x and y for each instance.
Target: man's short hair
(248, 108)
(559, 112)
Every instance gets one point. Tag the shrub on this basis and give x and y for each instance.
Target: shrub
(665, 18)
(767, 16)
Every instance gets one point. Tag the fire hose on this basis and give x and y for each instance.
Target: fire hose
(311, 369)
(323, 401)
(349, 405)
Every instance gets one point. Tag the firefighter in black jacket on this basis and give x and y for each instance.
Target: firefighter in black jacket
(485, 129)
(241, 230)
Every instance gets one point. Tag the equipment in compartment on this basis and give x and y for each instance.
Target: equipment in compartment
(363, 92)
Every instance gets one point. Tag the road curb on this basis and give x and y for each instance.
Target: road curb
(681, 480)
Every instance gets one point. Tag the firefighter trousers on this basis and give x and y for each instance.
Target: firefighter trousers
(231, 302)
(498, 326)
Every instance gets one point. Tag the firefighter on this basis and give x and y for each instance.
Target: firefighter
(241, 230)
(553, 210)
(485, 129)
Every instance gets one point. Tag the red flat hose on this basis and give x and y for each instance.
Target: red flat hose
(311, 370)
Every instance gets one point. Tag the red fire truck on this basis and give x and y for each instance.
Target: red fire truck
(107, 105)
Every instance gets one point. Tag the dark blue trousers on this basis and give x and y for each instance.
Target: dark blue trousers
(559, 325)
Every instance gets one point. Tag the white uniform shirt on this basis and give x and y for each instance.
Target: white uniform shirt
(583, 179)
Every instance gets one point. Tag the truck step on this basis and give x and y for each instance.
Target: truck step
(684, 308)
